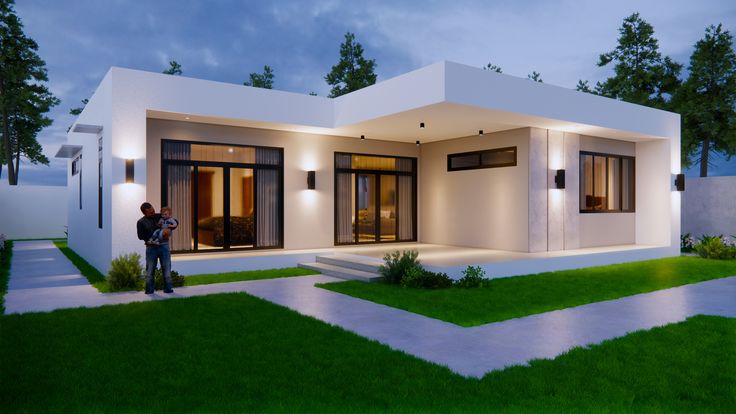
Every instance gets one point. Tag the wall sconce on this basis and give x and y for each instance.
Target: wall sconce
(421, 125)
(560, 179)
(129, 171)
(311, 180)
(480, 132)
(417, 143)
(362, 137)
(680, 182)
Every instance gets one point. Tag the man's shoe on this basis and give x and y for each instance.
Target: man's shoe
(169, 291)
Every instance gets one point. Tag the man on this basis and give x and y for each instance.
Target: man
(161, 252)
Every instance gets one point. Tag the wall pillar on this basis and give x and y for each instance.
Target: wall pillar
(571, 219)
(538, 190)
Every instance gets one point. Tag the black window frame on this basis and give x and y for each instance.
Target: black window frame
(226, 200)
(620, 159)
(480, 154)
(412, 174)
(99, 183)
(77, 170)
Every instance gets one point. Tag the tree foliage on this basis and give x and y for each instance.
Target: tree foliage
(261, 80)
(353, 71)
(78, 110)
(535, 76)
(174, 68)
(707, 100)
(641, 75)
(493, 68)
(24, 97)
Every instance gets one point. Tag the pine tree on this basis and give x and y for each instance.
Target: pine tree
(493, 68)
(261, 80)
(174, 68)
(353, 71)
(535, 76)
(642, 76)
(24, 97)
(707, 99)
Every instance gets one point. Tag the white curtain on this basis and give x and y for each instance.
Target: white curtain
(406, 208)
(268, 185)
(179, 190)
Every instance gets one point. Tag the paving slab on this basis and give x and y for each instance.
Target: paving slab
(472, 352)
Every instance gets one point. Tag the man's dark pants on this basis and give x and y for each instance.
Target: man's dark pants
(161, 253)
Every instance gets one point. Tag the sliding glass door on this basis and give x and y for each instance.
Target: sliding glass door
(375, 199)
(225, 197)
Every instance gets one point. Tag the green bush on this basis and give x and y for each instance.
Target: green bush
(715, 247)
(158, 279)
(687, 243)
(417, 277)
(125, 272)
(397, 265)
(473, 276)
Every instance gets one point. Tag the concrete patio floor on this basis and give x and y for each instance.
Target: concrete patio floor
(42, 279)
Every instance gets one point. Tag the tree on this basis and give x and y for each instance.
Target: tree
(492, 68)
(535, 76)
(174, 68)
(24, 97)
(78, 110)
(642, 76)
(353, 71)
(261, 80)
(707, 99)
(583, 86)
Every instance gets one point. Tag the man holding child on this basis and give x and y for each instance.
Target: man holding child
(155, 230)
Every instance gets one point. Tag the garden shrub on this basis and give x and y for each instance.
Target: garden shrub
(125, 272)
(397, 265)
(417, 277)
(716, 247)
(473, 276)
(687, 243)
(177, 280)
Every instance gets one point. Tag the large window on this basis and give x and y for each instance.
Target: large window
(375, 198)
(224, 196)
(606, 183)
(491, 158)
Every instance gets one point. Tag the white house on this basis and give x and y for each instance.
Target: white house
(525, 176)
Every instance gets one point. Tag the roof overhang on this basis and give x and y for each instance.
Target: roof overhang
(87, 129)
(68, 151)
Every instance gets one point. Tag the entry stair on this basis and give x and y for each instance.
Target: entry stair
(344, 266)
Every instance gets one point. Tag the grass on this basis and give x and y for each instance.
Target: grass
(237, 353)
(205, 279)
(94, 276)
(513, 297)
(5, 255)
(98, 280)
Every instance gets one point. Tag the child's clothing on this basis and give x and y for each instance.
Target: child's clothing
(158, 234)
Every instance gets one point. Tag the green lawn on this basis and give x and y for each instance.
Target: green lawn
(512, 297)
(237, 353)
(97, 279)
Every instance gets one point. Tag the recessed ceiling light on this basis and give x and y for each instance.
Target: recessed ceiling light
(230, 150)
(187, 118)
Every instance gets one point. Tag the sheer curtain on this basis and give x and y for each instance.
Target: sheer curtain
(268, 185)
(406, 207)
(344, 202)
(179, 186)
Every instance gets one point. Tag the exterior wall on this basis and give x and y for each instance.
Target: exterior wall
(709, 206)
(607, 229)
(85, 238)
(486, 208)
(308, 214)
(30, 212)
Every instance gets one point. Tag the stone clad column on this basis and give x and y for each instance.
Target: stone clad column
(571, 223)
(537, 190)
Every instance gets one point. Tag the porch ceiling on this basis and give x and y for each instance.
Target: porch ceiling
(442, 121)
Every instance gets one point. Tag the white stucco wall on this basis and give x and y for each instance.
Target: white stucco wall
(709, 206)
(32, 212)
(486, 207)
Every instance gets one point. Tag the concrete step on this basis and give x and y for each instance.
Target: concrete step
(351, 262)
(341, 272)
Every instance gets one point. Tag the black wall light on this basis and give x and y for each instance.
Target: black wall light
(480, 132)
(680, 182)
(417, 143)
(560, 179)
(129, 171)
(362, 137)
(421, 125)
(311, 180)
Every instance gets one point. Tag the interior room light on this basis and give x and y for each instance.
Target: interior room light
(311, 180)
(680, 182)
(230, 150)
(129, 171)
(560, 179)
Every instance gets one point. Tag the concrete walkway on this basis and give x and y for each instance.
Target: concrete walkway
(42, 279)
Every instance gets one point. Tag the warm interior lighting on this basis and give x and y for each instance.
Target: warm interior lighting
(311, 180)
(129, 171)
(230, 150)
(680, 182)
(560, 179)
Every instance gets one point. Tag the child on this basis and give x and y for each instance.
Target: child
(161, 235)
